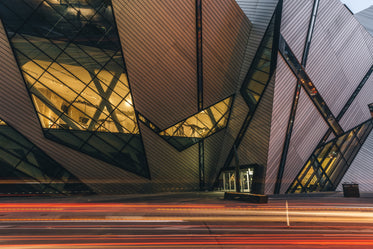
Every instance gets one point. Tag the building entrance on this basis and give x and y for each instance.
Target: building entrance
(228, 180)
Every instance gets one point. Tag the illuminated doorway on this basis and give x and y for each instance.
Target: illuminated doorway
(228, 180)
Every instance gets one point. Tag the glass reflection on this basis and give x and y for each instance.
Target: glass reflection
(199, 126)
(25, 169)
(71, 59)
(328, 164)
(259, 74)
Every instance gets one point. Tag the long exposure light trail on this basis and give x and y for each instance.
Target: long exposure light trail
(56, 225)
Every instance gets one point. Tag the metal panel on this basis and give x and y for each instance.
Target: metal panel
(360, 170)
(159, 44)
(285, 83)
(338, 46)
(239, 112)
(170, 170)
(259, 13)
(294, 24)
(225, 32)
(368, 38)
(365, 17)
(254, 146)
(213, 146)
(358, 112)
(309, 127)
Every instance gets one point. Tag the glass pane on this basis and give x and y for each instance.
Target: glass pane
(256, 87)
(201, 124)
(72, 61)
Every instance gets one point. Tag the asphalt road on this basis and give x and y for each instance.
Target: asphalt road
(186, 221)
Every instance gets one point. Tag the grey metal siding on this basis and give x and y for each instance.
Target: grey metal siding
(338, 46)
(365, 17)
(170, 169)
(294, 24)
(309, 127)
(358, 112)
(285, 84)
(225, 33)
(254, 146)
(238, 115)
(360, 170)
(159, 44)
(259, 14)
(213, 146)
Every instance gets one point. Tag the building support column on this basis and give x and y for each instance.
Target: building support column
(201, 149)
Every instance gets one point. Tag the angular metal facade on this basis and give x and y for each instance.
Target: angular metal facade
(133, 96)
(365, 17)
(360, 170)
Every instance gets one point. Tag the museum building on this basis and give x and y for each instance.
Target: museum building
(145, 96)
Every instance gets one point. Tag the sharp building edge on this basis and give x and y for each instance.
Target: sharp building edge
(130, 96)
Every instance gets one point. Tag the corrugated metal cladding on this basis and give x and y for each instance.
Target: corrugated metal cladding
(338, 45)
(359, 112)
(9, 76)
(159, 43)
(309, 128)
(170, 170)
(213, 145)
(254, 146)
(259, 13)
(368, 39)
(225, 33)
(295, 21)
(360, 170)
(365, 17)
(238, 115)
(17, 110)
(284, 88)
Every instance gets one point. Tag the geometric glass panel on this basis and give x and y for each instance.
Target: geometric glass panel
(329, 162)
(71, 59)
(27, 170)
(258, 78)
(261, 68)
(195, 128)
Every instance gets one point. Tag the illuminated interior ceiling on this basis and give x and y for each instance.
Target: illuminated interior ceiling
(204, 123)
(72, 63)
(71, 97)
(195, 128)
(27, 169)
(329, 162)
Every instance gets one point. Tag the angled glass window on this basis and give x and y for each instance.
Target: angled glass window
(25, 169)
(195, 128)
(258, 76)
(329, 162)
(261, 69)
(71, 59)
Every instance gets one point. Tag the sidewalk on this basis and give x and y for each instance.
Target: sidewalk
(215, 197)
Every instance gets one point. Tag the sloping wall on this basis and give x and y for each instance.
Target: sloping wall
(360, 171)
(159, 46)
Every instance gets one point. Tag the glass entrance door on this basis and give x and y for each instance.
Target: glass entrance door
(229, 180)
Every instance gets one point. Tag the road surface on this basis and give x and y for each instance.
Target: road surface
(186, 222)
